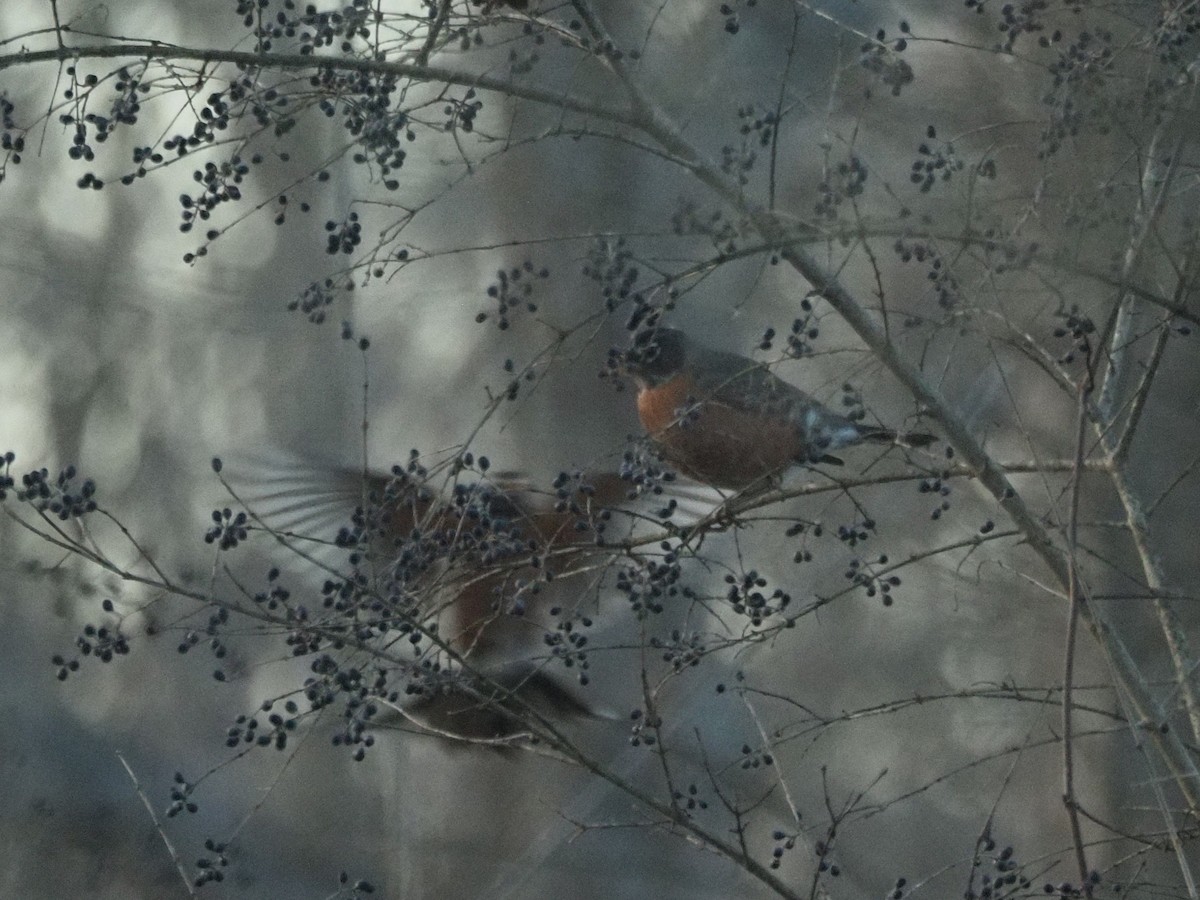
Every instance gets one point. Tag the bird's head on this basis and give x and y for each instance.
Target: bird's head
(658, 354)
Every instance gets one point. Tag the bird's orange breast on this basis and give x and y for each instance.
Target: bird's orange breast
(712, 441)
(660, 407)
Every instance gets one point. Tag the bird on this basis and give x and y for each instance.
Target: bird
(471, 543)
(482, 538)
(728, 421)
(469, 565)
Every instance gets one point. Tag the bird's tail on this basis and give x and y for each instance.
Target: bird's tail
(904, 438)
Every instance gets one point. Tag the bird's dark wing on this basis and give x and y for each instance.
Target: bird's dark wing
(727, 379)
(750, 387)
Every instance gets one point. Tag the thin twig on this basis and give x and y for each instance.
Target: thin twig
(434, 30)
(58, 34)
(1155, 188)
(1183, 659)
(775, 765)
(1138, 402)
(179, 867)
(778, 125)
(1074, 599)
(1174, 483)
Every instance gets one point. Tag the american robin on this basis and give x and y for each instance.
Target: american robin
(480, 540)
(727, 421)
(469, 565)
